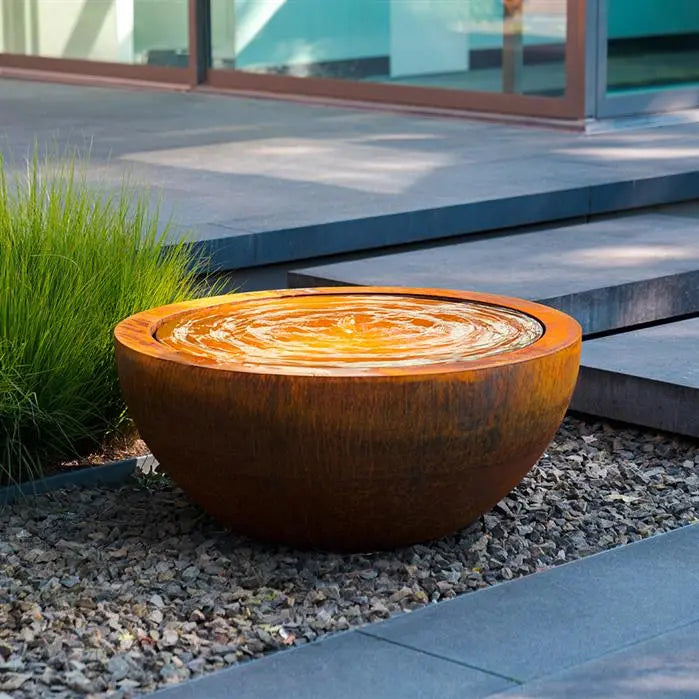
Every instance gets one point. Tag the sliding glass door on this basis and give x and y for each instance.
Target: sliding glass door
(515, 57)
(511, 56)
(560, 59)
(145, 32)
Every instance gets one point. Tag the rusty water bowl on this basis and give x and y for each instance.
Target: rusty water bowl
(354, 418)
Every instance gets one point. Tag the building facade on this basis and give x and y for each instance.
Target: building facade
(555, 59)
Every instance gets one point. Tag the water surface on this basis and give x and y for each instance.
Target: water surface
(358, 331)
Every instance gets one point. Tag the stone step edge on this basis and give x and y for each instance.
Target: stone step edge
(254, 249)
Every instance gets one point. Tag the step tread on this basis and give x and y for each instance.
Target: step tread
(667, 352)
(609, 274)
(540, 264)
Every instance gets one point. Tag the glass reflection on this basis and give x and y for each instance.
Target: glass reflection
(150, 32)
(652, 44)
(485, 45)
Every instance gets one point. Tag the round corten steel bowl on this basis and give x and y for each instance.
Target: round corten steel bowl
(351, 418)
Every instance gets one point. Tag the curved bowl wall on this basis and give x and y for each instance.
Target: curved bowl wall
(344, 460)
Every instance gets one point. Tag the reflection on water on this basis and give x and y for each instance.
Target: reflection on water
(357, 331)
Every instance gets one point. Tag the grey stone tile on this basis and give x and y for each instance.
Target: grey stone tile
(217, 247)
(345, 667)
(541, 264)
(578, 612)
(608, 274)
(206, 232)
(648, 377)
(665, 667)
(388, 229)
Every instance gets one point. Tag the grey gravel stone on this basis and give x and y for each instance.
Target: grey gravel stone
(118, 668)
(114, 592)
(13, 680)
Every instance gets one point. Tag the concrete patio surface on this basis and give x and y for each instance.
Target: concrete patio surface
(622, 623)
(264, 181)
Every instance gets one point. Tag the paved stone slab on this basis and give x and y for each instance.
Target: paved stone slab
(666, 667)
(264, 181)
(647, 377)
(498, 640)
(578, 612)
(348, 666)
(608, 274)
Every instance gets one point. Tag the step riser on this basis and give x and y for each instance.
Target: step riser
(623, 306)
(638, 401)
(648, 376)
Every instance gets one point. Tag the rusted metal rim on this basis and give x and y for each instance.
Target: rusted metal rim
(138, 332)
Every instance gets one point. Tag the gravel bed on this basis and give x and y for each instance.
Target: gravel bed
(114, 592)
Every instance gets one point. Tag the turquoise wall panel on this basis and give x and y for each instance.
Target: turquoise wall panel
(635, 18)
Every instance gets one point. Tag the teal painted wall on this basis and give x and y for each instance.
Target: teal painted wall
(630, 18)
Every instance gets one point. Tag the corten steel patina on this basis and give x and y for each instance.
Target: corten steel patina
(348, 459)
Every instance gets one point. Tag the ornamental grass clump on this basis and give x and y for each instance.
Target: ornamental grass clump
(73, 262)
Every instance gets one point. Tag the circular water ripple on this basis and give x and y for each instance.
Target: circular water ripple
(358, 331)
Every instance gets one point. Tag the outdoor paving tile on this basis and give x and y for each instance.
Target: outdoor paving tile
(344, 667)
(404, 174)
(647, 377)
(217, 245)
(665, 667)
(608, 274)
(336, 179)
(572, 614)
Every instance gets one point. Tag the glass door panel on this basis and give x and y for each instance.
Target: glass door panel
(500, 46)
(652, 44)
(647, 56)
(150, 32)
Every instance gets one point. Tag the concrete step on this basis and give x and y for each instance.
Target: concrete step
(647, 377)
(260, 182)
(234, 245)
(609, 274)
